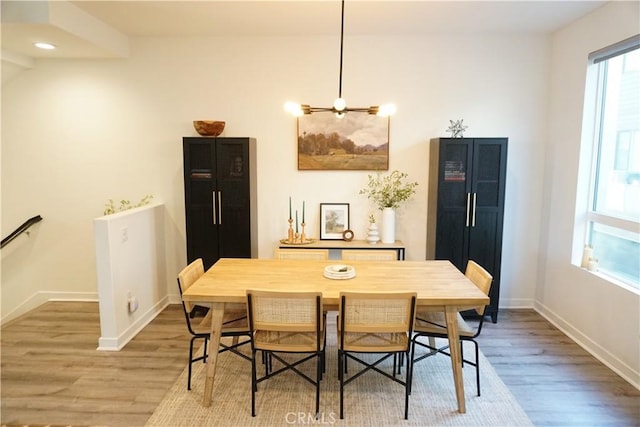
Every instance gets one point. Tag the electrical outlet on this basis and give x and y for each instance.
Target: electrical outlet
(132, 303)
(124, 234)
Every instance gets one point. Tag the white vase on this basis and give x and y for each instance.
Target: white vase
(373, 236)
(388, 225)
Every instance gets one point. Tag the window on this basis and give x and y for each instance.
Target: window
(612, 121)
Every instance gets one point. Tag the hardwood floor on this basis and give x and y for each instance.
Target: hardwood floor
(556, 381)
(53, 374)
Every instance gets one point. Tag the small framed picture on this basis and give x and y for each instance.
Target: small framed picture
(334, 220)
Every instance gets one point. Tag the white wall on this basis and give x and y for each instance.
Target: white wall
(78, 132)
(602, 317)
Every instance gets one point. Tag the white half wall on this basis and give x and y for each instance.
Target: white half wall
(132, 283)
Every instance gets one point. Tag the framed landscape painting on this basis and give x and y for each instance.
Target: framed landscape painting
(357, 141)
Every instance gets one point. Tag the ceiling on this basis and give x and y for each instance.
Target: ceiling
(102, 29)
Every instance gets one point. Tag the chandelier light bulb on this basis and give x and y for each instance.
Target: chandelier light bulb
(293, 108)
(339, 104)
(387, 110)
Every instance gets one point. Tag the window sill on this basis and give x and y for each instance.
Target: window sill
(614, 281)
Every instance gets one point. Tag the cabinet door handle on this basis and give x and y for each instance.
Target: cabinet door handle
(213, 203)
(468, 207)
(219, 207)
(473, 220)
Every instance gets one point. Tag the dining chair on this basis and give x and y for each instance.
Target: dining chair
(286, 322)
(234, 321)
(287, 253)
(375, 323)
(433, 324)
(370, 255)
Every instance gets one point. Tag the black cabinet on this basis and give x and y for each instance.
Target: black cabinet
(220, 198)
(466, 204)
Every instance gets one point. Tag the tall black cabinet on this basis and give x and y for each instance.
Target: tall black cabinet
(466, 205)
(220, 198)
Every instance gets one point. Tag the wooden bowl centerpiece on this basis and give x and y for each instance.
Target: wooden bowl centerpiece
(208, 127)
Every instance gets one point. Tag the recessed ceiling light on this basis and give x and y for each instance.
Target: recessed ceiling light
(42, 45)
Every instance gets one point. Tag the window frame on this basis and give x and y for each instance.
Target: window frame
(588, 217)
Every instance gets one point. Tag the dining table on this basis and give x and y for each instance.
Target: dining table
(439, 286)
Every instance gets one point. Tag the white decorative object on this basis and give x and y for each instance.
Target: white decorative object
(373, 237)
(587, 253)
(388, 225)
(593, 264)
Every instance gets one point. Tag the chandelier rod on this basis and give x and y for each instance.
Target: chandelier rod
(341, 49)
(339, 107)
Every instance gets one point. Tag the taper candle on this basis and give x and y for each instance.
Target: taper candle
(290, 207)
(303, 211)
(296, 220)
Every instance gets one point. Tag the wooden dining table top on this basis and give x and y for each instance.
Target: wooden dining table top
(437, 283)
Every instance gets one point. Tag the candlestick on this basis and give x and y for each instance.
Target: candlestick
(303, 236)
(290, 233)
(296, 220)
(303, 211)
(290, 207)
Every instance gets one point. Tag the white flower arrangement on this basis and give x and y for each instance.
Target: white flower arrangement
(390, 190)
(110, 207)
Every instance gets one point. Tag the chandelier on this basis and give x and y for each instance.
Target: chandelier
(339, 107)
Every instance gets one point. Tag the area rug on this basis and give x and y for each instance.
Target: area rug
(287, 399)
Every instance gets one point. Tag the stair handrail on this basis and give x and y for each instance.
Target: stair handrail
(18, 231)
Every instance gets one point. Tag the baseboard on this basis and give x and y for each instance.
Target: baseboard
(597, 351)
(516, 303)
(117, 343)
(39, 298)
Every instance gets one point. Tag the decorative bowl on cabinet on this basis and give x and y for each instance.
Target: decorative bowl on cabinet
(208, 127)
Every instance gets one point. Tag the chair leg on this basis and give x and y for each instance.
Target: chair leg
(341, 371)
(407, 385)
(319, 367)
(432, 343)
(324, 355)
(190, 362)
(254, 384)
(323, 363)
(396, 367)
(477, 367)
(410, 361)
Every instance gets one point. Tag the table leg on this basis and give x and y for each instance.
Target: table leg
(451, 315)
(217, 312)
